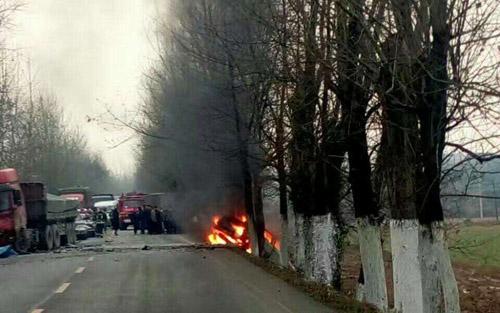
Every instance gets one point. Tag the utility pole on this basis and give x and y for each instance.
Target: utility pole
(481, 215)
(496, 204)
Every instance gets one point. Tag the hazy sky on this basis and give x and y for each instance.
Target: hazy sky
(90, 54)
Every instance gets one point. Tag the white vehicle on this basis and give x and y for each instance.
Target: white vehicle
(106, 206)
(84, 228)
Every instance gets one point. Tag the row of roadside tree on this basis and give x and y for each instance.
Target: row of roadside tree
(343, 106)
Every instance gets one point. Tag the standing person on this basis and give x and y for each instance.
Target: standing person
(101, 221)
(115, 220)
(142, 219)
(152, 221)
(135, 221)
(159, 221)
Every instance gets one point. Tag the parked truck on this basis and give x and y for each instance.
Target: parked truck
(30, 218)
(156, 199)
(82, 194)
(128, 205)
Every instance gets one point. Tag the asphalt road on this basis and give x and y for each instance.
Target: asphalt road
(180, 280)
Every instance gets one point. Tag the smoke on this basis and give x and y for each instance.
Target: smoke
(198, 139)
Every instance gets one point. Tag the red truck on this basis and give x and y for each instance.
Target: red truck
(129, 204)
(82, 194)
(32, 218)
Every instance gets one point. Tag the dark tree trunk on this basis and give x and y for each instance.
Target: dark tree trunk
(258, 214)
(254, 213)
(280, 155)
(303, 106)
(432, 115)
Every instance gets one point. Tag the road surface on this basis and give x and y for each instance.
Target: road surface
(180, 280)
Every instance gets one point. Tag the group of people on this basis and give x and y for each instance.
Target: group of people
(147, 218)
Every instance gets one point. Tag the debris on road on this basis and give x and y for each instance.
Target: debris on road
(7, 251)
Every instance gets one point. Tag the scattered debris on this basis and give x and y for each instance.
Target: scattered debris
(7, 251)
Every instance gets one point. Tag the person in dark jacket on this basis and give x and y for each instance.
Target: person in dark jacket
(153, 222)
(115, 220)
(134, 217)
(159, 221)
(148, 221)
(101, 221)
(142, 219)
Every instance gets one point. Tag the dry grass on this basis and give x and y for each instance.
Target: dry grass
(341, 303)
(476, 264)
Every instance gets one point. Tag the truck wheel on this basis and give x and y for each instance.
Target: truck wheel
(57, 237)
(47, 238)
(23, 242)
(71, 233)
(67, 234)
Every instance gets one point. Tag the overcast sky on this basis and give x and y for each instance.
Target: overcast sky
(90, 54)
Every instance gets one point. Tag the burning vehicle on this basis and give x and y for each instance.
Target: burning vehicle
(233, 230)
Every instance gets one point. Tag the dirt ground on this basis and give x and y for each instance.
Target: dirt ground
(479, 287)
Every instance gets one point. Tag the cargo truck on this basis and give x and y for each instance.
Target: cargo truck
(30, 218)
(81, 194)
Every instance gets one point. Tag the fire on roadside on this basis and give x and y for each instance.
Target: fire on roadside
(233, 230)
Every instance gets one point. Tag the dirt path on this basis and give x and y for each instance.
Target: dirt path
(479, 288)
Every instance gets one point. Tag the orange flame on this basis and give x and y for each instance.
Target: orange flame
(234, 230)
(216, 240)
(238, 229)
(216, 219)
(271, 240)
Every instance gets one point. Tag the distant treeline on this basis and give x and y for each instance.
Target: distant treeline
(468, 185)
(35, 139)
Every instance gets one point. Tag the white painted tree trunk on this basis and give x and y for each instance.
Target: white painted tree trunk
(431, 285)
(292, 249)
(299, 243)
(284, 242)
(374, 289)
(407, 275)
(252, 234)
(423, 275)
(321, 249)
(360, 292)
(448, 281)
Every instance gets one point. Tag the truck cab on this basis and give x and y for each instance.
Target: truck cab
(127, 206)
(12, 208)
(31, 218)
